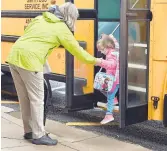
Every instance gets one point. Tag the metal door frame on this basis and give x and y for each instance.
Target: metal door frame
(86, 101)
(126, 112)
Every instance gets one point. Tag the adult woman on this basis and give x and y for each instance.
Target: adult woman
(26, 60)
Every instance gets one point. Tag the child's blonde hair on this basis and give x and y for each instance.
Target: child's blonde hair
(105, 42)
(53, 2)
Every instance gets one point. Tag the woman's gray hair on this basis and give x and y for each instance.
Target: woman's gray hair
(70, 14)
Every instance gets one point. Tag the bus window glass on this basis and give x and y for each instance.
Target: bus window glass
(108, 9)
(138, 4)
(108, 28)
(137, 63)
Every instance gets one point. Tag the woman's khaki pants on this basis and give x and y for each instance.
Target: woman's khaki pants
(30, 91)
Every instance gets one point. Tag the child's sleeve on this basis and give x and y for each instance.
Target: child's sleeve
(107, 64)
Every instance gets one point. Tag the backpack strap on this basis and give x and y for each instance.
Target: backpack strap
(117, 68)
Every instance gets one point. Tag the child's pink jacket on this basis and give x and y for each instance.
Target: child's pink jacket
(111, 63)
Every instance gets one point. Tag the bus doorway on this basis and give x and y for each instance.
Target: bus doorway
(130, 26)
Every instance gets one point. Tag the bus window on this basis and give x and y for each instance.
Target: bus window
(108, 9)
(137, 63)
(138, 4)
(108, 28)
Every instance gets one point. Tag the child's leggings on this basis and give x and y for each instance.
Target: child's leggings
(110, 100)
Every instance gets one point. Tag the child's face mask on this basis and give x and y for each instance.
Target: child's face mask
(100, 47)
(104, 51)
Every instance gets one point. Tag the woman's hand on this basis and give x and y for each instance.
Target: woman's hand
(98, 61)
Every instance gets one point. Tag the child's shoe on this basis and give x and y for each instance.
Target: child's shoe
(108, 118)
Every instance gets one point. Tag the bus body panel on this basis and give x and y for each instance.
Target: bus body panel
(158, 59)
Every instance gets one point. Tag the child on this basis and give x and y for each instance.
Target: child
(53, 6)
(54, 9)
(109, 46)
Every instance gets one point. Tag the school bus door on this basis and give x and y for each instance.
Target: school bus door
(87, 18)
(134, 61)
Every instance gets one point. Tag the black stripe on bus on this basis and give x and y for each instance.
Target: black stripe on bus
(109, 19)
(83, 14)
(9, 38)
(13, 38)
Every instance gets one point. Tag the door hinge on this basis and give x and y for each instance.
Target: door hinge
(155, 100)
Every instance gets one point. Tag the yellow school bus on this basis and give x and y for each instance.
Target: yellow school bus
(139, 26)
